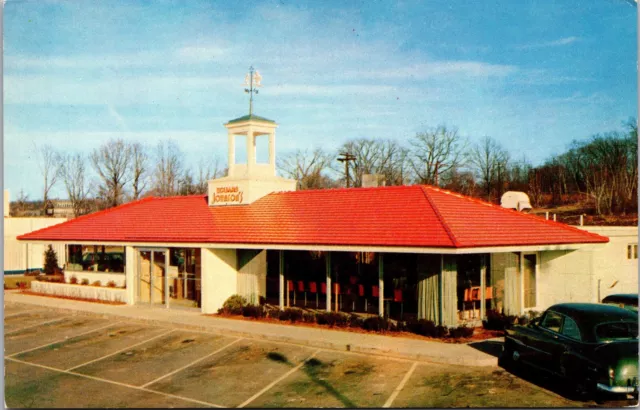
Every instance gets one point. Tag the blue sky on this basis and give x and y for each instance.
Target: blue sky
(534, 75)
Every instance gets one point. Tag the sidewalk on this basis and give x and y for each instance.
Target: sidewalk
(447, 353)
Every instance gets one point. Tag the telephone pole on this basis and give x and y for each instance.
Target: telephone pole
(346, 158)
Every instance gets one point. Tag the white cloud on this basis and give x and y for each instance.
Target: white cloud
(553, 43)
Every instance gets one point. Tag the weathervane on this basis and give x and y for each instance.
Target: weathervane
(252, 80)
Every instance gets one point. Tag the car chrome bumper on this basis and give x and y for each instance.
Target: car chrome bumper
(617, 389)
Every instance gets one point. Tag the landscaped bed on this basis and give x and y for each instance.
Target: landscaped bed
(105, 302)
(236, 308)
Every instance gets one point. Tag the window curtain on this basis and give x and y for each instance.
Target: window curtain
(251, 268)
(428, 267)
(512, 284)
(449, 291)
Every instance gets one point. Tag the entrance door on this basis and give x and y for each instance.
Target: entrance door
(151, 276)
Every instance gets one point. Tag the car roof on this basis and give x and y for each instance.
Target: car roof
(594, 313)
(629, 298)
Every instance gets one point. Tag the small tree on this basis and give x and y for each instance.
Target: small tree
(50, 261)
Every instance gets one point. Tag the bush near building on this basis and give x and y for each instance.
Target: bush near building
(237, 305)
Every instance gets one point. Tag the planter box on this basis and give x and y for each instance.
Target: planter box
(103, 277)
(80, 291)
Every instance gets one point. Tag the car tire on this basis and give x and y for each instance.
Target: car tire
(506, 358)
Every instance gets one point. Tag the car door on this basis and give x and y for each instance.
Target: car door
(548, 343)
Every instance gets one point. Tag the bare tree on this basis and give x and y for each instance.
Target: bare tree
(139, 169)
(308, 168)
(435, 152)
(49, 168)
(111, 162)
(489, 160)
(376, 156)
(74, 177)
(168, 169)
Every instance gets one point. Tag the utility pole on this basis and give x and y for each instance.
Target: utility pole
(346, 158)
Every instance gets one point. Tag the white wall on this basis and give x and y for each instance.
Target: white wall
(575, 276)
(616, 273)
(219, 277)
(130, 274)
(79, 291)
(19, 255)
(565, 276)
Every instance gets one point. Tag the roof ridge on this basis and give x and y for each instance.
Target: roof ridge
(75, 220)
(514, 212)
(354, 189)
(440, 218)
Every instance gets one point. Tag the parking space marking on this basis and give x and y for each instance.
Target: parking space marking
(24, 312)
(398, 389)
(192, 363)
(279, 379)
(114, 382)
(121, 350)
(36, 325)
(322, 349)
(62, 340)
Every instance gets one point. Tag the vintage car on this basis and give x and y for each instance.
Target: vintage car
(624, 300)
(593, 347)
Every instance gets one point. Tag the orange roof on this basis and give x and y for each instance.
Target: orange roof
(407, 216)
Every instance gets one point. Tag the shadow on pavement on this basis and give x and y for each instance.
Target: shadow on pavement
(492, 347)
(309, 369)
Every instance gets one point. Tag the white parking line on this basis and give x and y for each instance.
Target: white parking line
(24, 312)
(116, 383)
(279, 379)
(36, 325)
(63, 340)
(121, 350)
(192, 363)
(398, 389)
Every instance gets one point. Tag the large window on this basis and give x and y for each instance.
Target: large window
(529, 281)
(632, 251)
(96, 258)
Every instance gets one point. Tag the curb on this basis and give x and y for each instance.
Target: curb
(459, 360)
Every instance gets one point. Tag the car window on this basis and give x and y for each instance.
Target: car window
(570, 328)
(608, 332)
(552, 321)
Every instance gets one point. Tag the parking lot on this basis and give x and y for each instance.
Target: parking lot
(55, 359)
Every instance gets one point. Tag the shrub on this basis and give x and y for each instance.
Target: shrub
(309, 317)
(378, 324)
(333, 319)
(422, 327)
(497, 321)
(50, 261)
(356, 321)
(460, 331)
(21, 285)
(73, 280)
(253, 311)
(96, 283)
(291, 314)
(441, 331)
(233, 305)
(111, 284)
(84, 281)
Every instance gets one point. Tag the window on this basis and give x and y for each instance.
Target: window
(552, 321)
(608, 332)
(570, 328)
(96, 258)
(529, 281)
(632, 251)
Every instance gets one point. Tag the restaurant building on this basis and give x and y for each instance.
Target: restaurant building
(400, 251)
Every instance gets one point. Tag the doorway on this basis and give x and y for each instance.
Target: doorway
(152, 276)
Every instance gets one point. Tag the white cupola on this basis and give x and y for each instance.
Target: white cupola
(248, 182)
